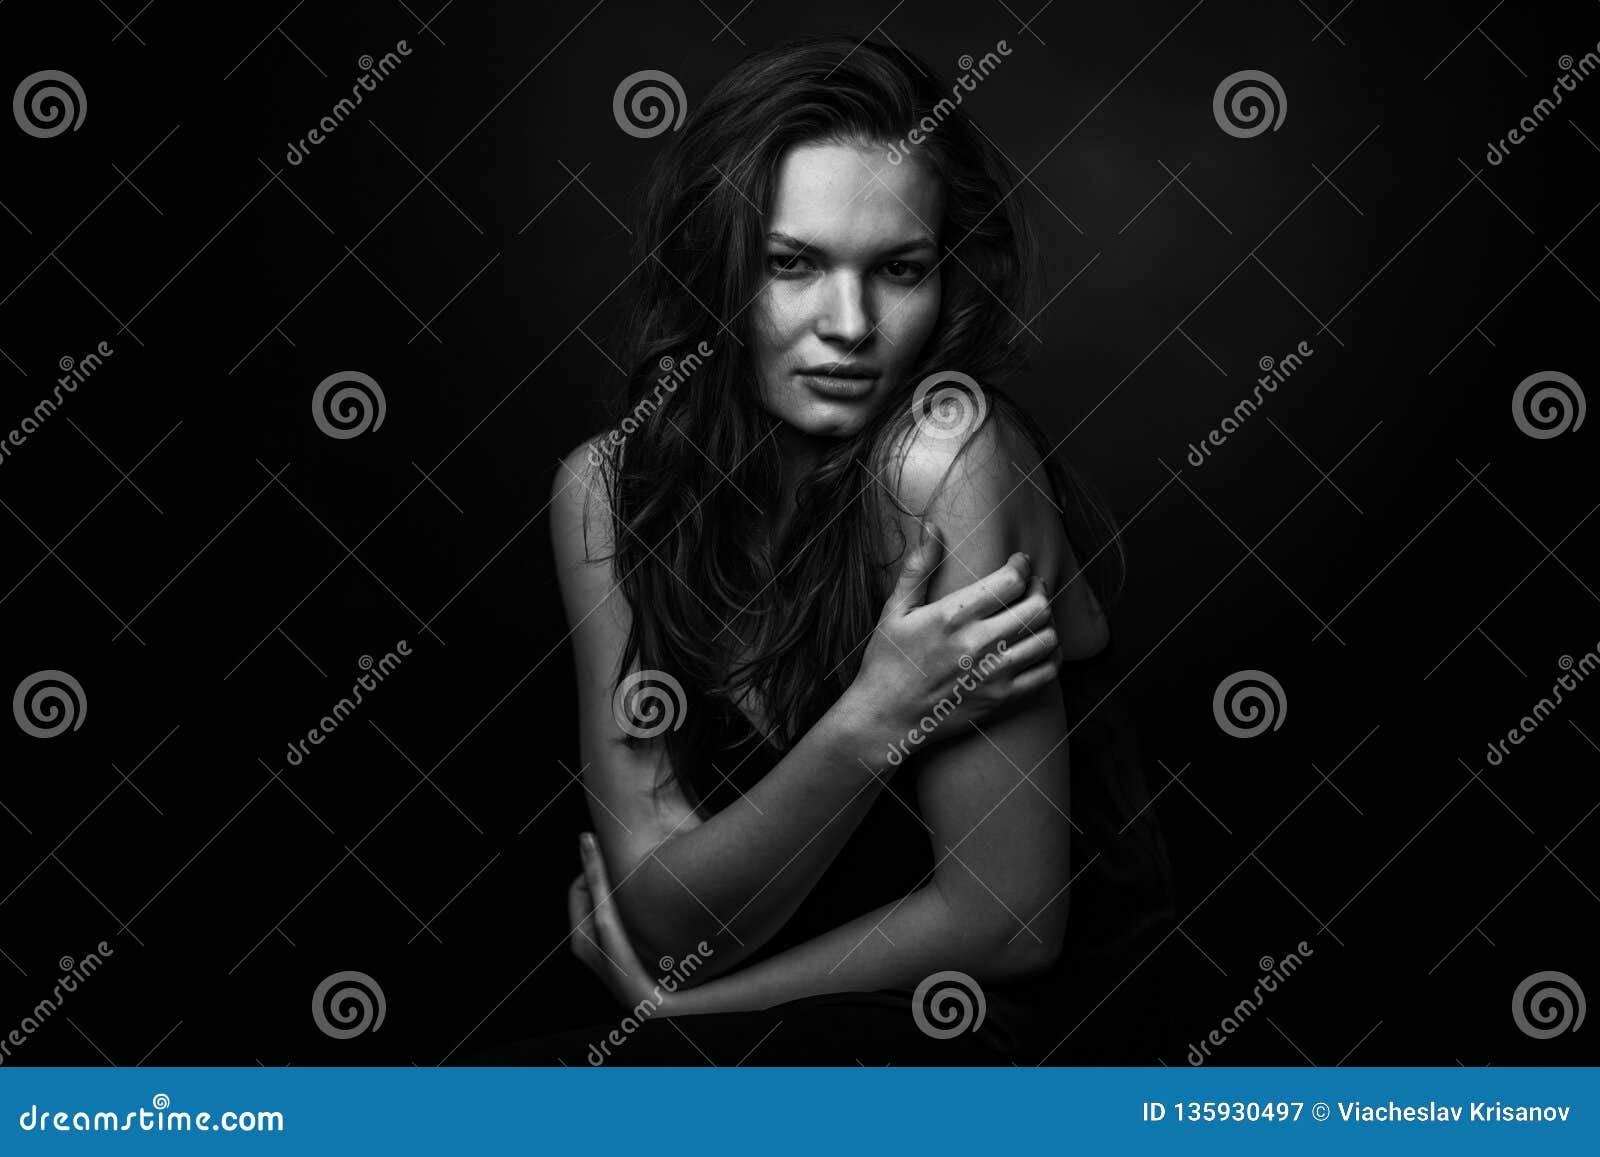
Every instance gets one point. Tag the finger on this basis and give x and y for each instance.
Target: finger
(607, 923)
(1022, 618)
(594, 868)
(582, 938)
(992, 593)
(578, 902)
(1031, 650)
(1035, 677)
(917, 565)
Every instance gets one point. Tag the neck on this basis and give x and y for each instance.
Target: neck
(799, 455)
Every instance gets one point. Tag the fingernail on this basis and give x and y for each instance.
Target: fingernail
(585, 843)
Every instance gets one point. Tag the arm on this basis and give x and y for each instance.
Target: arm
(896, 946)
(994, 799)
(733, 879)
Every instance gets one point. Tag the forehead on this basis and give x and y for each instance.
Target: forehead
(848, 198)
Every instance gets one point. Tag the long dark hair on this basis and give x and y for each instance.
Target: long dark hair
(693, 456)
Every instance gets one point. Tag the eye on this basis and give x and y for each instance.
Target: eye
(788, 264)
(904, 271)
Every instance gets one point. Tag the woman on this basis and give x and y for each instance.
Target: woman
(834, 611)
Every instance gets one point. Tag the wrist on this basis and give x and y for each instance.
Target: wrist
(863, 734)
(668, 1003)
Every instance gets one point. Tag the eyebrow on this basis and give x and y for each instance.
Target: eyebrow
(921, 241)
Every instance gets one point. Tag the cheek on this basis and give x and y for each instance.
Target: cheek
(775, 317)
(780, 316)
(908, 321)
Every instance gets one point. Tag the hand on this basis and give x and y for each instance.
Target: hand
(963, 656)
(599, 940)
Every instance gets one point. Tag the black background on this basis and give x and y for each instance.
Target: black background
(185, 493)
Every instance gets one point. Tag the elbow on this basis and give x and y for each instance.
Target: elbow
(692, 965)
(998, 947)
(676, 955)
(646, 920)
(1017, 952)
(677, 962)
(1026, 953)
(668, 951)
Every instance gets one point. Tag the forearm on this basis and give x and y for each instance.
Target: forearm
(734, 879)
(896, 946)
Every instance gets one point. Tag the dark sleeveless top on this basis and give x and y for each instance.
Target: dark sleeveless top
(1120, 904)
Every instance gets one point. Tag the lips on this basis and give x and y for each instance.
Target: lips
(840, 385)
(839, 370)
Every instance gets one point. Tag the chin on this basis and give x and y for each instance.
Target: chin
(825, 418)
(832, 419)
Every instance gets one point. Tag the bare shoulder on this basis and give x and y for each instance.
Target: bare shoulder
(580, 531)
(988, 496)
(577, 504)
(968, 477)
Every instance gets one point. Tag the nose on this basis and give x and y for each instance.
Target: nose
(845, 316)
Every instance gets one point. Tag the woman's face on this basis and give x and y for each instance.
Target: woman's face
(852, 288)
